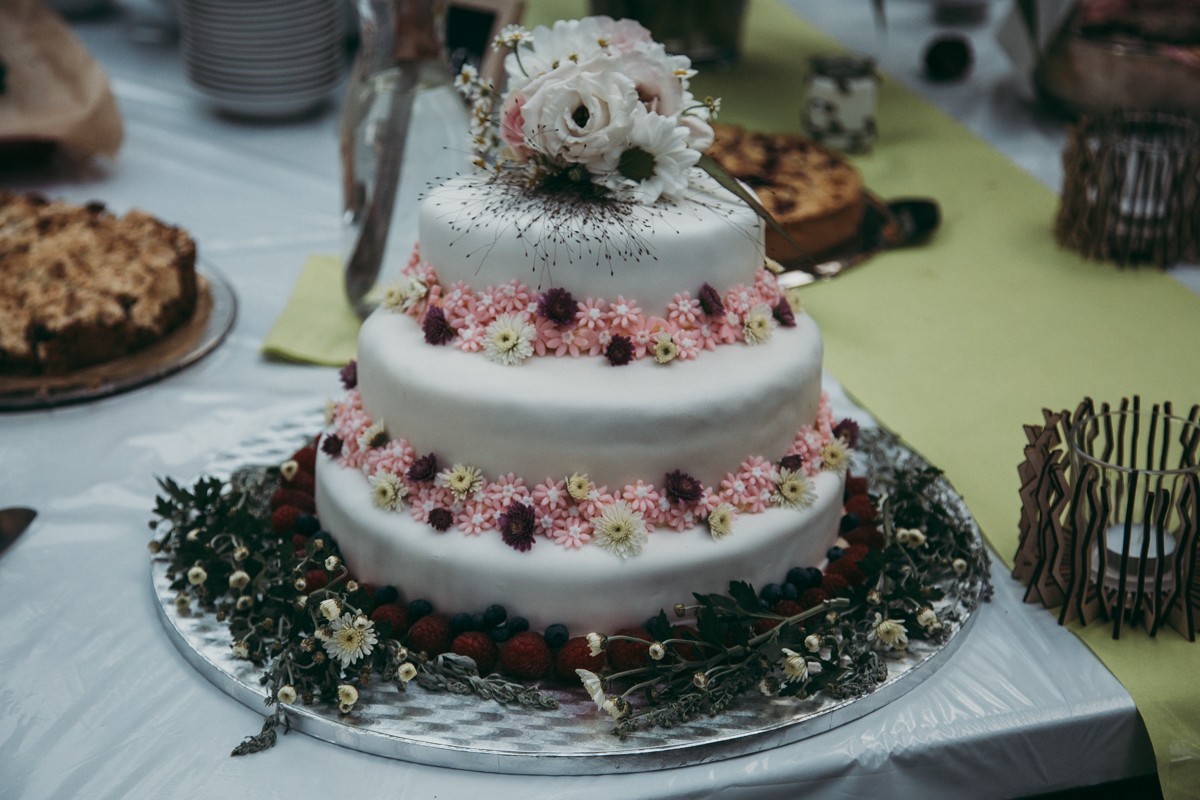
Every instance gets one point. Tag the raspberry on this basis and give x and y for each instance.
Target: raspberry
(479, 647)
(430, 634)
(306, 457)
(859, 505)
(301, 482)
(836, 584)
(574, 655)
(855, 553)
(688, 652)
(283, 519)
(813, 598)
(855, 486)
(866, 535)
(391, 619)
(315, 579)
(525, 656)
(788, 608)
(291, 497)
(846, 571)
(623, 655)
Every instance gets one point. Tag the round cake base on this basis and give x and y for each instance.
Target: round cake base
(464, 732)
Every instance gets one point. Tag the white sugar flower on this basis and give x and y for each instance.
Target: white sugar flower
(197, 575)
(406, 672)
(835, 456)
(665, 349)
(462, 480)
(620, 530)
(795, 666)
(388, 491)
(720, 521)
(759, 325)
(286, 694)
(509, 339)
(794, 490)
(330, 608)
(350, 641)
(578, 486)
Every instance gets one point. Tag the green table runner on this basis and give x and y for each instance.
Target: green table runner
(955, 345)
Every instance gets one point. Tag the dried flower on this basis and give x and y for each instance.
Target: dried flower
(241, 650)
(959, 565)
(330, 608)
(848, 431)
(558, 306)
(656, 651)
(812, 643)
(509, 339)
(911, 537)
(244, 603)
(617, 707)
(596, 643)
(682, 488)
(874, 597)
(720, 521)
(835, 457)
(286, 694)
(332, 444)
(375, 435)
(783, 313)
(289, 468)
(349, 375)
(769, 685)
(700, 680)
(759, 325)
(794, 490)
(578, 486)
(462, 480)
(890, 633)
(424, 469)
(388, 492)
(710, 301)
(347, 697)
(620, 529)
(332, 563)
(619, 351)
(518, 526)
(795, 666)
(406, 672)
(927, 618)
(665, 350)
(239, 579)
(350, 639)
(436, 327)
(440, 519)
(592, 683)
(241, 553)
(197, 575)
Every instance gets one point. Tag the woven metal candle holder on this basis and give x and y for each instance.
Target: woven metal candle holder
(1131, 189)
(1110, 511)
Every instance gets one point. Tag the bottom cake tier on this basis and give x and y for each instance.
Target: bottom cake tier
(586, 588)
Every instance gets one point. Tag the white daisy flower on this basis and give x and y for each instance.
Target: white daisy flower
(330, 608)
(759, 325)
(462, 480)
(596, 643)
(286, 694)
(620, 530)
(375, 435)
(656, 161)
(890, 633)
(794, 490)
(593, 685)
(835, 456)
(350, 641)
(509, 339)
(720, 521)
(795, 666)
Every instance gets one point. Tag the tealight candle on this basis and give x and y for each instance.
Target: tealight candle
(1114, 541)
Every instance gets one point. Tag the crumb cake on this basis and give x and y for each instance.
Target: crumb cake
(80, 286)
(812, 191)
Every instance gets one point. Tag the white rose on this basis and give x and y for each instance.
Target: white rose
(580, 114)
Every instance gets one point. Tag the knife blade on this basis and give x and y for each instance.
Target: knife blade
(13, 522)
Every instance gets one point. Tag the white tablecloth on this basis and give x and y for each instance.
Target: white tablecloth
(94, 700)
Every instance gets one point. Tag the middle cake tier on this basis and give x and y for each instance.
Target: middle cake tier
(559, 416)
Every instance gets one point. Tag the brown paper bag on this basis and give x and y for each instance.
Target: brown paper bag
(54, 92)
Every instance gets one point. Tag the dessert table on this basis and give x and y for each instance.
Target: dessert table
(95, 700)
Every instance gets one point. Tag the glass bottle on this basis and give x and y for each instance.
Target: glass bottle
(404, 129)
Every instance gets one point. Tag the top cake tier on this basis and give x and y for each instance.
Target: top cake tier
(486, 232)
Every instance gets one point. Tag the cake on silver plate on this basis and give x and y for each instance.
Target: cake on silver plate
(586, 397)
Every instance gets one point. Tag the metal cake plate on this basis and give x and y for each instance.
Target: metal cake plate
(448, 730)
(216, 310)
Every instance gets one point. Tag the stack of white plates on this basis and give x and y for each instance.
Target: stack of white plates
(263, 58)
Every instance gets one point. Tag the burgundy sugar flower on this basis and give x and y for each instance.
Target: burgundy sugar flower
(423, 470)
(332, 445)
(518, 526)
(783, 313)
(710, 301)
(619, 351)
(847, 430)
(794, 462)
(558, 306)
(440, 519)
(349, 375)
(682, 488)
(437, 328)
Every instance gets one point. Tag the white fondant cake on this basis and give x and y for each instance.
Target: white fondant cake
(587, 398)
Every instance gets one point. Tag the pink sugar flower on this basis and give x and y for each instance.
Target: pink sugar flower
(414, 257)
(758, 473)
(681, 518)
(513, 297)
(598, 497)
(599, 342)
(624, 316)
(740, 300)
(572, 532)
(550, 494)
(735, 491)
(395, 457)
(766, 286)
(470, 340)
(644, 336)
(502, 492)
(685, 311)
(688, 342)
(591, 314)
(642, 498)
(426, 497)
(475, 517)
(572, 341)
(544, 330)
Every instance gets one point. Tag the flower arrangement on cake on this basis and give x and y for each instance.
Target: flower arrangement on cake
(251, 552)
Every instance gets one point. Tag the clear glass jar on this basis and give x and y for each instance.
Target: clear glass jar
(404, 129)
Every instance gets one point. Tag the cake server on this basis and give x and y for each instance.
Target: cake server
(13, 522)
(885, 226)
